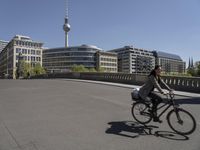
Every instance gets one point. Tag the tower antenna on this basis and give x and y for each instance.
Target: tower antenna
(66, 9)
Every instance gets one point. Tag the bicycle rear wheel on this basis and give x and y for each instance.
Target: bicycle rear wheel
(181, 121)
(140, 112)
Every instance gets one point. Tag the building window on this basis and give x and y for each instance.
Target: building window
(18, 50)
(33, 52)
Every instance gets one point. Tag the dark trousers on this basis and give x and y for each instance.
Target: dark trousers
(156, 100)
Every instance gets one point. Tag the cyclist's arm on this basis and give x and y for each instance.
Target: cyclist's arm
(166, 86)
(156, 84)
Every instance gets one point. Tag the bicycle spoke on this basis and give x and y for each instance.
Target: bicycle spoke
(140, 113)
(181, 121)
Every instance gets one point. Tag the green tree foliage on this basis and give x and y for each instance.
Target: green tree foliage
(101, 69)
(38, 69)
(191, 71)
(25, 70)
(82, 68)
(198, 70)
(79, 68)
(92, 70)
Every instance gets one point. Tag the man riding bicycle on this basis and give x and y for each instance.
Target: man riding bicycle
(147, 93)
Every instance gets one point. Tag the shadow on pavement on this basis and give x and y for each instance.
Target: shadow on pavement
(171, 135)
(188, 100)
(133, 130)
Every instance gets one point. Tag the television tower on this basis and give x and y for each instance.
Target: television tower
(66, 26)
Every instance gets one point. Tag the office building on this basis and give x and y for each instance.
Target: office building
(91, 57)
(134, 60)
(170, 63)
(3, 44)
(106, 61)
(30, 51)
(62, 59)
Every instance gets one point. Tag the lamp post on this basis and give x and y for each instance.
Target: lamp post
(19, 66)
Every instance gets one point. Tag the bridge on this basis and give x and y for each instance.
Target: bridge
(69, 114)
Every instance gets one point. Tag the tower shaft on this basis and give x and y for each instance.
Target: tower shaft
(66, 26)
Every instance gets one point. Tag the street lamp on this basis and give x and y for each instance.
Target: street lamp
(19, 65)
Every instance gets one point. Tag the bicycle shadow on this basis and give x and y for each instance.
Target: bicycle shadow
(134, 130)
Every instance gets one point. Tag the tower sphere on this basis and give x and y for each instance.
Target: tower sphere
(66, 27)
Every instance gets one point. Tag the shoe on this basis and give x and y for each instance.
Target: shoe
(156, 119)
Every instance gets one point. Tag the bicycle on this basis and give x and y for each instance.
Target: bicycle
(179, 120)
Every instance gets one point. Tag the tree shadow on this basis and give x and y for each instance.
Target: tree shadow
(134, 130)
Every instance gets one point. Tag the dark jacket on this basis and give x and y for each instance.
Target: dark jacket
(149, 86)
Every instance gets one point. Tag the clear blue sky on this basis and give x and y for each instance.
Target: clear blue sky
(165, 25)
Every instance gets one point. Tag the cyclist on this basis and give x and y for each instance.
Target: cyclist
(147, 93)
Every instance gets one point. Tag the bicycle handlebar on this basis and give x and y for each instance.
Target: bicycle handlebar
(170, 94)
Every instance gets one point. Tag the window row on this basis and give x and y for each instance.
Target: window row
(28, 51)
(108, 64)
(87, 64)
(29, 58)
(108, 59)
(69, 54)
(68, 59)
(29, 44)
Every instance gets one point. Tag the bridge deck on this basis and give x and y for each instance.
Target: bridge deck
(64, 115)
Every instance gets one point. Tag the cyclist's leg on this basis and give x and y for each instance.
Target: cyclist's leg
(156, 100)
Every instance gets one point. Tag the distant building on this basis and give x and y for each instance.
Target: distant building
(3, 44)
(190, 64)
(106, 61)
(91, 57)
(134, 60)
(31, 52)
(170, 63)
(62, 59)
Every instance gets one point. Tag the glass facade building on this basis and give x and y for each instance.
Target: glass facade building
(170, 63)
(62, 59)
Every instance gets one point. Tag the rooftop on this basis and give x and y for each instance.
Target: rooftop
(166, 55)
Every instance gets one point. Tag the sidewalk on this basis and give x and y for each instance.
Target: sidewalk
(187, 94)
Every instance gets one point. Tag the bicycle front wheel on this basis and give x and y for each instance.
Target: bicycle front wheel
(181, 121)
(140, 112)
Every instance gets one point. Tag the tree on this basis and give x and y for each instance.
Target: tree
(92, 70)
(198, 70)
(191, 71)
(19, 70)
(79, 68)
(38, 69)
(101, 69)
(26, 69)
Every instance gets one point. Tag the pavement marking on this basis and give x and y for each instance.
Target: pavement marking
(11, 135)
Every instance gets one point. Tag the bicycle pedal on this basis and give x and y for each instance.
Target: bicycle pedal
(156, 119)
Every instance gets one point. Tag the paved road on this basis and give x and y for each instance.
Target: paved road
(69, 115)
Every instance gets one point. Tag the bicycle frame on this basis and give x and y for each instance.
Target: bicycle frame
(169, 103)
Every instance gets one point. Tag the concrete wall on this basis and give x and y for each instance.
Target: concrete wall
(188, 84)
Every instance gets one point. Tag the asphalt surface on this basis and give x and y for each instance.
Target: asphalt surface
(73, 115)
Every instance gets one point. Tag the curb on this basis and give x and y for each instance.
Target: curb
(179, 93)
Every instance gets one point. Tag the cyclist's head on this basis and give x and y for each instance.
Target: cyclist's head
(156, 71)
